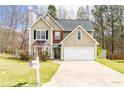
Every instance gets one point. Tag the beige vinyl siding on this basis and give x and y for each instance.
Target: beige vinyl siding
(52, 23)
(72, 41)
(40, 25)
(68, 32)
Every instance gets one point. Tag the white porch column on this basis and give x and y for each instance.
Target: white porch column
(51, 52)
(62, 58)
(51, 49)
(35, 49)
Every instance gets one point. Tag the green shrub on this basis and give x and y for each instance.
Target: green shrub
(43, 55)
(99, 51)
(8, 50)
(25, 56)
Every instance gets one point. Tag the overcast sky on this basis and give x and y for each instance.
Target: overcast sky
(69, 8)
(75, 8)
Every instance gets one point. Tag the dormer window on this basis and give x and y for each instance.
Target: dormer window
(79, 35)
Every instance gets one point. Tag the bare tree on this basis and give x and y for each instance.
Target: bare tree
(24, 30)
(62, 12)
(13, 21)
(81, 13)
(70, 14)
(87, 12)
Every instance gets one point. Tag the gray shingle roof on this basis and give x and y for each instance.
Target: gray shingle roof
(70, 24)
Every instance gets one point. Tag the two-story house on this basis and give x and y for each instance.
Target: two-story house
(63, 39)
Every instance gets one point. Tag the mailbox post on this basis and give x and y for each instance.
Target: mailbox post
(36, 65)
(38, 72)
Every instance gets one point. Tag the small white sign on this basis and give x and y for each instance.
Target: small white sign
(35, 63)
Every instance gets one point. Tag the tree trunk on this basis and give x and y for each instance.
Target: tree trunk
(112, 28)
(23, 40)
(102, 29)
(112, 37)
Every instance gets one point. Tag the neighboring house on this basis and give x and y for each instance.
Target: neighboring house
(63, 39)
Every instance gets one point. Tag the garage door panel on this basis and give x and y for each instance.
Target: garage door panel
(72, 53)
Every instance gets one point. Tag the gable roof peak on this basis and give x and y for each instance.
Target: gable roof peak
(40, 17)
(79, 26)
(53, 20)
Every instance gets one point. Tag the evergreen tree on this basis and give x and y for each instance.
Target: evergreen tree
(108, 23)
(52, 11)
(99, 13)
(81, 14)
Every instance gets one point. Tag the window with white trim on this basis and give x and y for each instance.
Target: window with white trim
(79, 35)
(57, 36)
(40, 35)
(43, 34)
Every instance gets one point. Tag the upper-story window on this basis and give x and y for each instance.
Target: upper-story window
(79, 35)
(40, 35)
(57, 35)
(43, 34)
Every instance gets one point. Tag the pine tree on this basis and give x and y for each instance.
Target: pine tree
(52, 11)
(99, 13)
(81, 13)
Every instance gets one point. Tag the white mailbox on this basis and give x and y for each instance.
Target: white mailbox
(35, 63)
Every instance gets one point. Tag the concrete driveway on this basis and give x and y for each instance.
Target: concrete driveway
(85, 73)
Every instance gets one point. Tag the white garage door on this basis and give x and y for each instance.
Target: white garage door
(85, 53)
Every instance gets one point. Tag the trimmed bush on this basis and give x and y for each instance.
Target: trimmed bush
(99, 51)
(8, 50)
(43, 55)
(25, 56)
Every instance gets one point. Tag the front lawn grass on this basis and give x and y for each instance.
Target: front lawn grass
(16, 73)
(117, 65)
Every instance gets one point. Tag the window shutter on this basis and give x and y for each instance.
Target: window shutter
(46, 34)
(34, 34)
